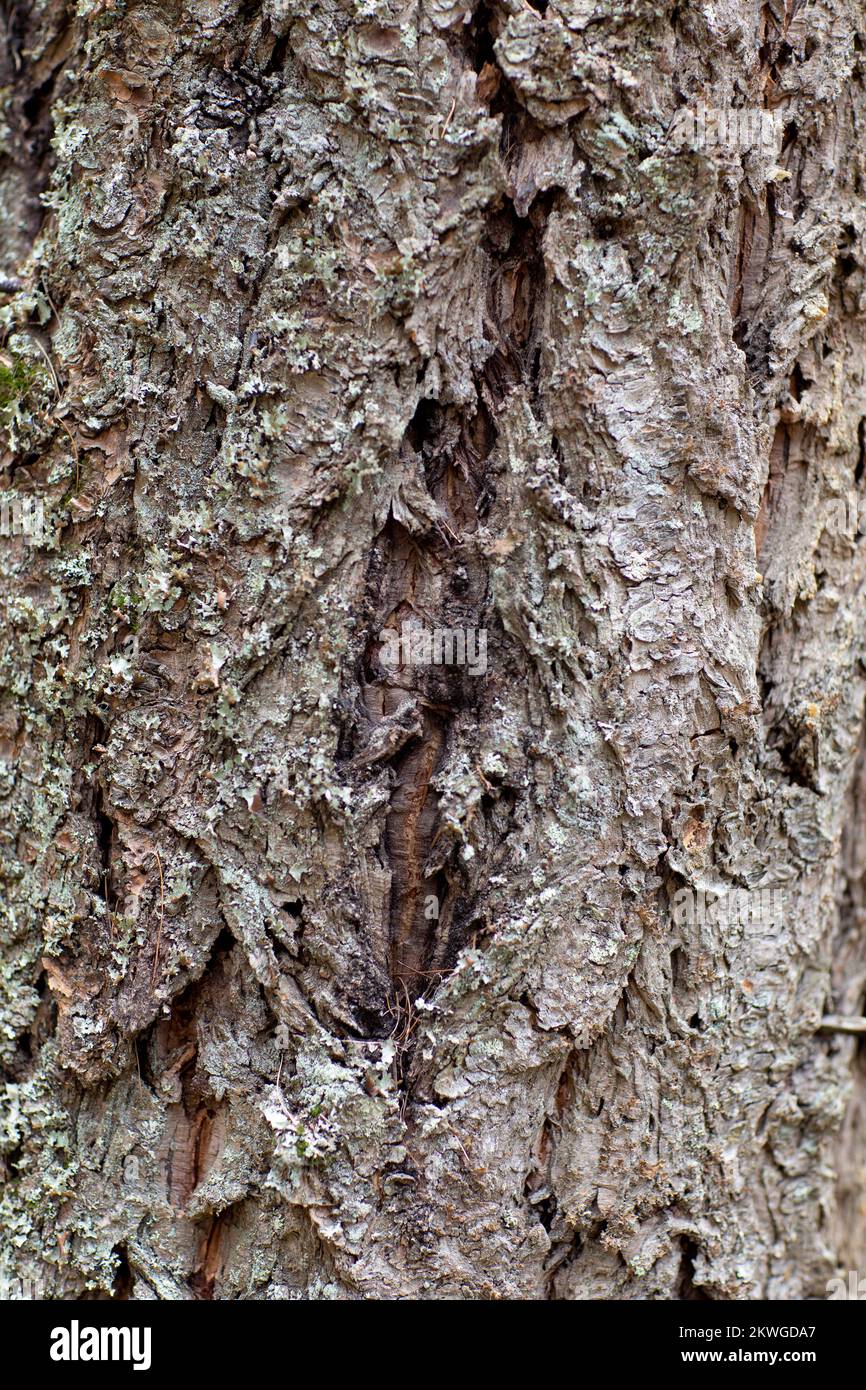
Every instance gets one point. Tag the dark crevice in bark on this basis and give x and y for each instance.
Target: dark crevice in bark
(563, 1252)
(142, 1058)
(537, 1189)
(91, 798)
(104, 841)
(25, 1059)
(421, 582)
(122, 1286)
(754, 248)
(197, 1120)
(477, 41)
(204, 1280)
(277, 60)
(788, 544)
(798, 754)
(28, 107)
(688, 1289)
(427, 572)
(151, 1043)
(409, 831)
(567, 1246)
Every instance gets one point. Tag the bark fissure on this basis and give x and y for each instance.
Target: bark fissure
(434, 576)
(333, 973)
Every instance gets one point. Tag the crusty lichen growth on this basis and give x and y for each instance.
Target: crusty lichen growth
(332, 315)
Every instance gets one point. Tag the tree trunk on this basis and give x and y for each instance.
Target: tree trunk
(331, 967)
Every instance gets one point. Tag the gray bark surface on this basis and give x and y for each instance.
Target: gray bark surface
(320, 317)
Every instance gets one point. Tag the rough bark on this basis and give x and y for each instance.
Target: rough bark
(324, 316)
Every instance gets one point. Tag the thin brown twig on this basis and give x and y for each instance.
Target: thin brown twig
(448, 119)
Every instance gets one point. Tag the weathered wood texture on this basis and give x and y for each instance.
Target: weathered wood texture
(321, 317)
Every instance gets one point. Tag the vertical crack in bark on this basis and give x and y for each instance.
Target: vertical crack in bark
(104, 839)
(204, 1281)
(431, 573)
(32, 65)
(409, 832)
(760, 232)
(123, 1280)
(28, 1044)
(93, 798)
(689, 1291)
(197, 1120)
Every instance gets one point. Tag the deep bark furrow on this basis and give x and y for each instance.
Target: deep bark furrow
(331, 975)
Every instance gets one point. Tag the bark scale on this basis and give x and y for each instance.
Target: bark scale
(328, 977)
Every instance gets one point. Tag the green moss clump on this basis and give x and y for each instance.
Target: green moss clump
(16, 378)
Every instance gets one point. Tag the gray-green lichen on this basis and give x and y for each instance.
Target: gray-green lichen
(334, 313)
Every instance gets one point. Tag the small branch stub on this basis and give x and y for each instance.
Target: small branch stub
(843, 1023)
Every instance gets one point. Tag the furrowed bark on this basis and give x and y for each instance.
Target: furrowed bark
(325, 975)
